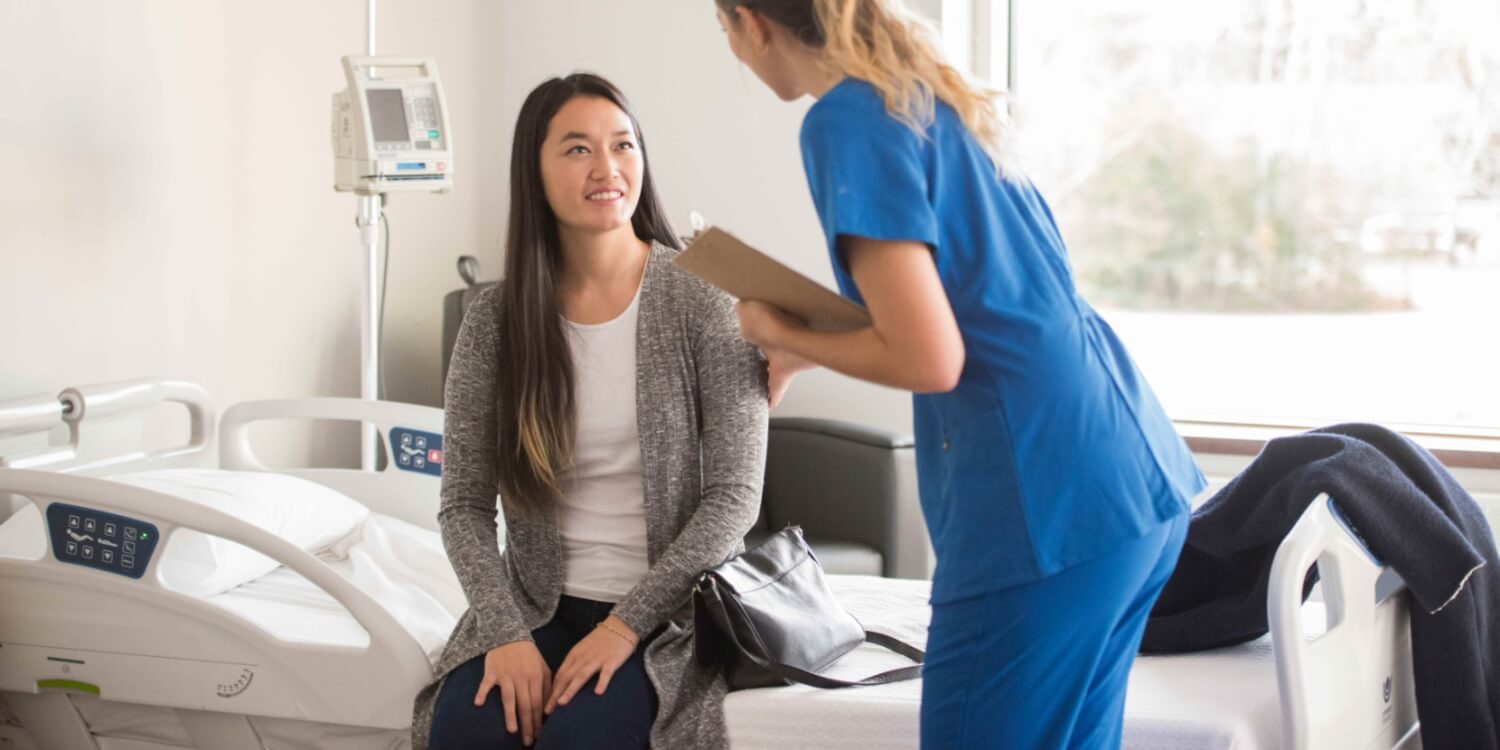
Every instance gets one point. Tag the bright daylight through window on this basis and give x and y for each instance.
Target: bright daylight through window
(1289, 209)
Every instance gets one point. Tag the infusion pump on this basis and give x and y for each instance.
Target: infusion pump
(391, 130)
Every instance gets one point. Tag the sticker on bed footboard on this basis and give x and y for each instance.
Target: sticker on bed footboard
(104, 541)
(414, 450)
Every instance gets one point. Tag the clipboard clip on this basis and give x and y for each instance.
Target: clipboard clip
(698, 224)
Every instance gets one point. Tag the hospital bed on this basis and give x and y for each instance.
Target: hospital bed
(327, 650)
(319, 653)
(1333, 674)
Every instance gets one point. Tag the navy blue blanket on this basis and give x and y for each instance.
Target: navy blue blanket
(1409, 511)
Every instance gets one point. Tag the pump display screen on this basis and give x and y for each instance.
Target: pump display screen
(388, 115)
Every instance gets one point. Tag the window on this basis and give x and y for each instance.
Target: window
(1288, 209)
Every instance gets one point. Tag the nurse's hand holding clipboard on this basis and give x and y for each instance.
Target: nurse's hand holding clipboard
(913, 342)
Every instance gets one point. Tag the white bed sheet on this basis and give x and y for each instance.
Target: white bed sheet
(1222, 700)
(396, 563)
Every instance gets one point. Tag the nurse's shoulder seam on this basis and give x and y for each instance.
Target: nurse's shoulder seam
(858, 102)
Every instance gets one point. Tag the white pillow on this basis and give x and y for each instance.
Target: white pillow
(305, 513)
(23, 535)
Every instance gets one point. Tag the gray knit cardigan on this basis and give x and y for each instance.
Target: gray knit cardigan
(702, 417)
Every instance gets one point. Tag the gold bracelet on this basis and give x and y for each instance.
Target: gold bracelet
(605, 624)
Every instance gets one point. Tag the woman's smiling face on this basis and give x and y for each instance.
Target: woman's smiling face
(592, 165)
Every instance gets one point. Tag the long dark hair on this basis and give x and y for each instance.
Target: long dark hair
(535, 384)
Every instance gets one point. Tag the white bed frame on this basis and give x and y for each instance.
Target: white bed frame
(75, 628)
(1351, 687)
(68, 628)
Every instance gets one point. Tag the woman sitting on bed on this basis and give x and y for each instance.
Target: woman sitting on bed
(608, 397)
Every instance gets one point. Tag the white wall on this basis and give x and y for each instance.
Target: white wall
(170, 212)
(176, 218)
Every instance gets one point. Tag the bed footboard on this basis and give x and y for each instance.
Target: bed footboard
(1351, 686)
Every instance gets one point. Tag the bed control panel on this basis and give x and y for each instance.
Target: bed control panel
(415, 450)
(96, 539)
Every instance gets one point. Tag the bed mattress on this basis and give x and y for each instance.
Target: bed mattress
(1220, 700)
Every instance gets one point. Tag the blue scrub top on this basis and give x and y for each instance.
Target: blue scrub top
(1052, 449)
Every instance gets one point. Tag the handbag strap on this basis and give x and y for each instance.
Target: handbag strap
(795, 674)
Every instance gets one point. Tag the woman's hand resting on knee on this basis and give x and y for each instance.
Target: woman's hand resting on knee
(601, 652)
(521, 673)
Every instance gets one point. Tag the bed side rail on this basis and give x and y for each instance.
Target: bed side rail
(1352, 686)
(389, 642)
(406, 488)
(75, 407)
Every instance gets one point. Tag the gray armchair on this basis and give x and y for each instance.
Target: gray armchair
(852, 489)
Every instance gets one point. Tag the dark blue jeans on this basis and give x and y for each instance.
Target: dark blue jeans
(621, 718)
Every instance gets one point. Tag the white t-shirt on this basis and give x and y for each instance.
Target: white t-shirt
(602, 511)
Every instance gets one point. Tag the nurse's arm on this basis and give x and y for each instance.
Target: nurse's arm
(914, 342)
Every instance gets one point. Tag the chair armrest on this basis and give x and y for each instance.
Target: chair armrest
(834, 428)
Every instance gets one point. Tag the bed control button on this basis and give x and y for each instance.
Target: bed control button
(109, 529)
(130, 548)
(421, 443)
(129, 532)
(90, 525)
(127, 561)
(74, 522)
(88, 552)
(106, 555)
(72, 548)
(406, 439)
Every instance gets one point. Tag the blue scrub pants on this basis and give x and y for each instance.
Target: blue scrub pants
(1044, 664)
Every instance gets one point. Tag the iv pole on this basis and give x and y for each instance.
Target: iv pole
(370, 207)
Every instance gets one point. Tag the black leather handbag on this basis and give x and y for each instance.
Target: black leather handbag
(768, 618)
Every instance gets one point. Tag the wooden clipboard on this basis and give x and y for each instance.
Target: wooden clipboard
(721, 259)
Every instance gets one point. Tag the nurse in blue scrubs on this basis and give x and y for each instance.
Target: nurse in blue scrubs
(1054, 486)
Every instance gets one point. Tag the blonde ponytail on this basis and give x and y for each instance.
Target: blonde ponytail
(894, 52)
(879, 42)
